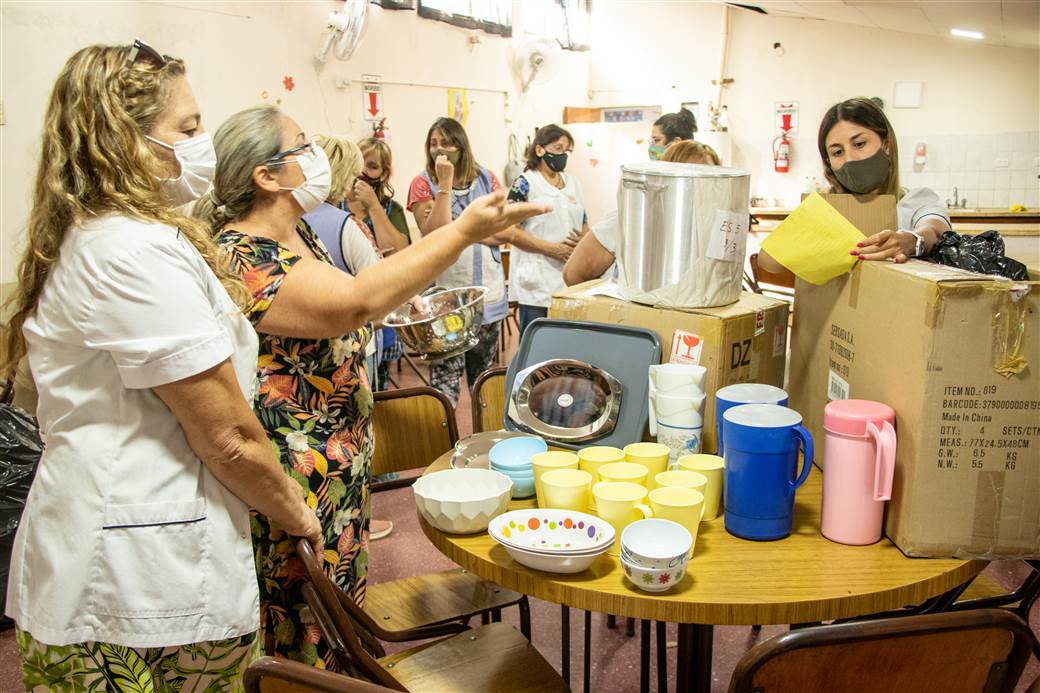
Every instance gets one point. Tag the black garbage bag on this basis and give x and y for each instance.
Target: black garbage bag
(20, 451)
(983, 253)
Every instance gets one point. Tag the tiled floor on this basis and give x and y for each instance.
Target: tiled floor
(614, 657)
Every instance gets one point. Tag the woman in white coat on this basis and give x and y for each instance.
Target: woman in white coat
(536, 263)
(133, 565)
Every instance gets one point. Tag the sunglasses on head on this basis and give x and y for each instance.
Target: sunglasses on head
(142, 51)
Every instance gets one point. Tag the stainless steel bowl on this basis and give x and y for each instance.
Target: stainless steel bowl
(447, 324)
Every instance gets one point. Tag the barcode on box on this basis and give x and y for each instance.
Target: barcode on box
(837, 387)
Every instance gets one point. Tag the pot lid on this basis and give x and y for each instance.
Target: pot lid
(677, 170)
(565, 400)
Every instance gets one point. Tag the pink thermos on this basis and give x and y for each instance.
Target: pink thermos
(859, 462)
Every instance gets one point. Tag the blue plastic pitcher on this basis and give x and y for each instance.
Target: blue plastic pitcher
(762, 443)
(742, 393)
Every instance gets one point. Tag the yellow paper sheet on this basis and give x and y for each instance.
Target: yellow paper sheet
(814, 241)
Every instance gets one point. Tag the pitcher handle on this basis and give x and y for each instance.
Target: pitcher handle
(807, 455)
(884, 460)
(651, 391)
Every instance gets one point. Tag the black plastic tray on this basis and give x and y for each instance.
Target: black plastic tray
(625, 352)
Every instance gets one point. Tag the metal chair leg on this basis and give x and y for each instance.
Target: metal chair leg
(586, 680)
(630, 628)
(565, 643)
(496, 615)
(662, 657)
(485, 618)
(644, 656)
(525, 617)
(611, 621)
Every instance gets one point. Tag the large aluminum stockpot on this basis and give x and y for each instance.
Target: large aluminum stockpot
(683, 232)
(446, 325)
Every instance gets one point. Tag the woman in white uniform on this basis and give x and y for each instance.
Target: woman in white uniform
(133, 565)
(860, 156)
(536, 267)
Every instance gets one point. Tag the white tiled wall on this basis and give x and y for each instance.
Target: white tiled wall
(969, 162)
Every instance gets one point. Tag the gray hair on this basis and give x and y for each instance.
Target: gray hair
(244, 141)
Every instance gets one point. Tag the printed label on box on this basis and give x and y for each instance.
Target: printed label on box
(728, 236)
(779, 340)
(837, 387)
(686, 348)
(760, 322)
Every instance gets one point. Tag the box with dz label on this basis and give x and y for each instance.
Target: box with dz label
(743, 342)
(957, 355)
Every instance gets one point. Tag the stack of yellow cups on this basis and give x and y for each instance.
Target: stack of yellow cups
(712, 467)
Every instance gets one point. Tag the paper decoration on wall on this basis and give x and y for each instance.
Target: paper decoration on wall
(264, 95)
(593, 162)
(588, 143)
(639, 141)
(458, 105)
(288, 83)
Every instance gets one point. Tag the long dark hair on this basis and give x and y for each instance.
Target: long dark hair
(681, 124)
(865, 113)
(543, 137)
(466, 170)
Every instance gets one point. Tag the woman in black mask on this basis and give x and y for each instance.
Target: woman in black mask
(860, 156)
(536, 264)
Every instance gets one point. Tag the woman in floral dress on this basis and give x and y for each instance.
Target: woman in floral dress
(313, 319)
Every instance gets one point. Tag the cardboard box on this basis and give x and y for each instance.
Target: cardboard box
(745, 342)
(868, 213)
(957, 355)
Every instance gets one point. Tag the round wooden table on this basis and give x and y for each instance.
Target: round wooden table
(730, 581)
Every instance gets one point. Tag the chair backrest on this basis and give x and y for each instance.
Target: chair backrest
(276, 675)
(984, 650)
(784, 278)
(488, 400)
(337, 627)
(413, 427)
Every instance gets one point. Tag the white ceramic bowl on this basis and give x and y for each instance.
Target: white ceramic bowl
(653, 579)
(558, 563)
(462, 501)
(656, 543)
(551, 530)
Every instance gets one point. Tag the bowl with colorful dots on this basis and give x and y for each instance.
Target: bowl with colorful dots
(553, 540)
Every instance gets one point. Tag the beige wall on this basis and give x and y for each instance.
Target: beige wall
(671, 54)
(236, 50)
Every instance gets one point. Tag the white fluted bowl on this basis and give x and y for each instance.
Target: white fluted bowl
(462, 501)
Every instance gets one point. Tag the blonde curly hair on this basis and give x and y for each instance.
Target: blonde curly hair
(346, 162)
(95, 160)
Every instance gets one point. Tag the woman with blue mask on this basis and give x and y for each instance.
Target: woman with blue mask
(860, 157)
(313, 396)
(536, 266)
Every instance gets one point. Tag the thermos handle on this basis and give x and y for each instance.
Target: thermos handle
(652, 408)
(884, 460)
(807, 455)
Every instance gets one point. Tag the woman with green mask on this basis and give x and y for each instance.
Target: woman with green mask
(860, 156)
(669, 129)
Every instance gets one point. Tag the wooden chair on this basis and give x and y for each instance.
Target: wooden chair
(488, 400)
(983, 650)
(413, 427)
(781, 283)
(487, 659)
(276, 675)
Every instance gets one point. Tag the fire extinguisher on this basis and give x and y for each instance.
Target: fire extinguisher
(782, 154)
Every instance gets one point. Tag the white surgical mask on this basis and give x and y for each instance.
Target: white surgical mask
(198, 161)
(317, 177)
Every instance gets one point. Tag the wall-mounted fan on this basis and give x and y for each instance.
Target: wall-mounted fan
(533, 61)
(344, 30)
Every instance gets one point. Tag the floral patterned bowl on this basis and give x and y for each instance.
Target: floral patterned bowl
(462, 501)
(552, 531)
(653, 579)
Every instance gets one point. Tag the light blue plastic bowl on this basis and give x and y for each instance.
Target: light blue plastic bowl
(523, 487)
(515, 453)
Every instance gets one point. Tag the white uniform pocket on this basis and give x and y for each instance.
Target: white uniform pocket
(148, 560)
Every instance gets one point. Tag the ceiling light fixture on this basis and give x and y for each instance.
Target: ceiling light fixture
(965, 33)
